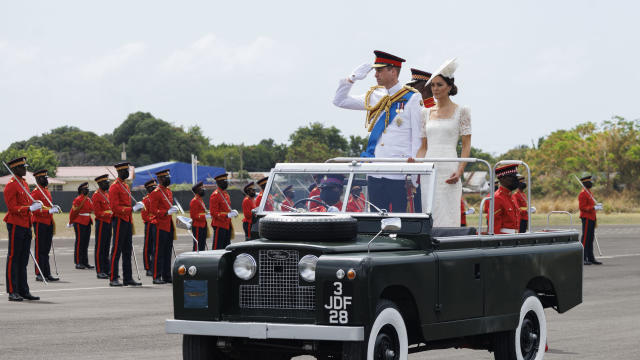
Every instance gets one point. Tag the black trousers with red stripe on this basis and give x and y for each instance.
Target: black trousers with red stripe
(588, 233)
(245, 228)
(17, 259)
(121, 245)
(81, 252)
(200, 233)
(221, 238)
(44, 238)
(162, 255)
(103, 242)
(149, 245)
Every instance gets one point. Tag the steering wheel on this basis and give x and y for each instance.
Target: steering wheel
(322, 203)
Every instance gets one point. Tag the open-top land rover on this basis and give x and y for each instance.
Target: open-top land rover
(339, 280)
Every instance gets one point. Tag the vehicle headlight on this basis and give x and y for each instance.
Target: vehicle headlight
(244, 266)
(307, 267)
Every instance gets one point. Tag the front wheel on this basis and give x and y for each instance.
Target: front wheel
(387, 339)
(529, 339)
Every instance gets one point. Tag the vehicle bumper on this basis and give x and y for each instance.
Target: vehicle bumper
(261, 330)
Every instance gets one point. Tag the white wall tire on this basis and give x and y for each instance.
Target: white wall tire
(529, 339)
(388, 336)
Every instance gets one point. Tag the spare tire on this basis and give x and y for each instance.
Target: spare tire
(308, 227)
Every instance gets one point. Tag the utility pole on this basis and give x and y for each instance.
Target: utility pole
(123, 154)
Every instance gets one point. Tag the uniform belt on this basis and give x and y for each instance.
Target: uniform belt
(507, 231)
(84, 214)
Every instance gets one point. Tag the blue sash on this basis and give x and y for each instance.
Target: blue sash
(379, 127)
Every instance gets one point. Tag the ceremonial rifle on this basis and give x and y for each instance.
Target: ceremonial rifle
(34, 200)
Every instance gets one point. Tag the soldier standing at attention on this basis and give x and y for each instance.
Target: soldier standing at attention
(43, 226)
(199, 216)
(393, 120)
(162, 208)
(248, 204)
(122, 225)
(268, 206)
(520, 199)
(149, 228)
(588, 209)
(18, 219)
(221, 213)
(102, 210)
(506, 218)
(80, 218)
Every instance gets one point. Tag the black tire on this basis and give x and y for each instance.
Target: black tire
(529, 339)
(308, 227)
(197, 347)
(387, 338)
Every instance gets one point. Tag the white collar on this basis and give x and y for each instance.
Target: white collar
(395, 88)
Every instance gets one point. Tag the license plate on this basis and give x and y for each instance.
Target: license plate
(195, 294)
(338, 302)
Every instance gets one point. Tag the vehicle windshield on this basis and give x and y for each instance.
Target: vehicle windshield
(356, 191)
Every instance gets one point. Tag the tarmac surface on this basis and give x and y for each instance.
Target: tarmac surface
(81, 317)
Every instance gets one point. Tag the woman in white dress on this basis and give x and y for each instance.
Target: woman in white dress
(443, 126)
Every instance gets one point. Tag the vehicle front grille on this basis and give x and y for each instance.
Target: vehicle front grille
(278, 284)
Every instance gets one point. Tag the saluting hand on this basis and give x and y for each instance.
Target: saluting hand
(360, 72)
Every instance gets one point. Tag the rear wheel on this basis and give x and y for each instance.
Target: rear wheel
(528, 340)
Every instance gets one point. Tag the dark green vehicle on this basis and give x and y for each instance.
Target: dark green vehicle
(347, 280)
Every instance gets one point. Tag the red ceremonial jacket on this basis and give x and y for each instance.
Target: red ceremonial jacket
(586, 205)
(146, 215)
(506, 212)
(268, 206)
(248, 204)
(198, 212)
(286, 205)
(101, 206)
(42, 216)
(321, 208)
(463, 216)
(120, 200)
(18, 203)
(520, 199)
(219, 209)
(159, 207)
(356, 203)
(81, 210)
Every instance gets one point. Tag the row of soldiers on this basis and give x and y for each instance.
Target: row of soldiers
(112, 206)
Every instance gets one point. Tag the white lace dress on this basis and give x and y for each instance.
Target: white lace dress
(442, 138)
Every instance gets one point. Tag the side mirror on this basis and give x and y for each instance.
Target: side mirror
(391, 224)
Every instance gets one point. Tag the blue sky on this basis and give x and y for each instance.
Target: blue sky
(244, 71)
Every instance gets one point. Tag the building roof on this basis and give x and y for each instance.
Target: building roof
(71, 173)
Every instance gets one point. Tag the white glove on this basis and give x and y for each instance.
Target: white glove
(470, 211)
(35, 206)
(69, 225)
(138, 206)
(207, 216)
(333, 209)
(360, 72)
(172, 210)
(598, 206)
(232, 214)
(533, 209)
(54, 210)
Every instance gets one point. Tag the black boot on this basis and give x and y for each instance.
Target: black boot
(28, 296)
(52, 278)
(15, 297)
(132, 283)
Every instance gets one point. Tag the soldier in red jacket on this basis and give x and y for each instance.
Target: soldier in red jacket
(520, 199)
(80, 218)
(162, 209)
(43, 226)
(248, 204)
(221, 213)
(588, 209)
(120, 199)
(149, 228)
(506, 219)
(287, 203)
(103, 213)
(268, 206)
(18, 219)
(199, 216)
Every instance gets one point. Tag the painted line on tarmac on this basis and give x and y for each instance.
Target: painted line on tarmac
(617, 256)
(89, 288)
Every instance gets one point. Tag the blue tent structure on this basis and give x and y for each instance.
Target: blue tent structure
(180, 173)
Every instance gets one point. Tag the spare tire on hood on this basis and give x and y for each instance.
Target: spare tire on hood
(306, 227)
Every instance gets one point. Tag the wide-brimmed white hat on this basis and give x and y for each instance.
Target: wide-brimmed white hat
(446, 69)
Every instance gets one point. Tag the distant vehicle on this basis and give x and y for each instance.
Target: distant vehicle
(372, 283)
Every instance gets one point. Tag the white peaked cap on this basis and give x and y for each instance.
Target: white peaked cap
(446, 69)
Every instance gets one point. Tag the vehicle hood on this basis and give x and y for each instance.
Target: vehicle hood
(359, 244)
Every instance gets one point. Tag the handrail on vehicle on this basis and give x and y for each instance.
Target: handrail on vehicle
(559, 212)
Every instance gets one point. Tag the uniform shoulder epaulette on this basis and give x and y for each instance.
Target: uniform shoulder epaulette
(412, 89)
(156, 189)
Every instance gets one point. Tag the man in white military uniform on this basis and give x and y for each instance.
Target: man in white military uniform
(393, 120)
